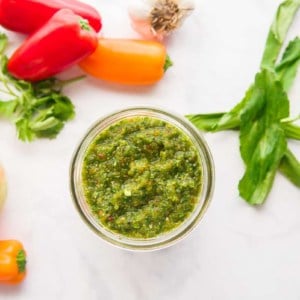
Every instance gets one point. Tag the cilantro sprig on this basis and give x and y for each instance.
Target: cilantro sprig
(39, 109)
(262, 117)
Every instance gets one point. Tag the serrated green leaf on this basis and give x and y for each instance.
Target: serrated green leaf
(7, 108)
(38, 109)
(25, 134)
(63, 108)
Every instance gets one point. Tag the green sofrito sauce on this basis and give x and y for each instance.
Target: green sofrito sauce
(141, 177)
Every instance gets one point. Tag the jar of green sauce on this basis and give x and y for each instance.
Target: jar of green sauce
(142, 178)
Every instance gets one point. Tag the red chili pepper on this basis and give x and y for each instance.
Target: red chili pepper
(63, 41)
(26, 16)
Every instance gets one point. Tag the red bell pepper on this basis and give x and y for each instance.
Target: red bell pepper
(26, 16)
(63, 41)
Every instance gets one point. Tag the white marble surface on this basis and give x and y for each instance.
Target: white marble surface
(237, 252)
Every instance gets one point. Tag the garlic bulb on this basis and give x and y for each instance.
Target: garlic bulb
(155, 19)
(2, 187)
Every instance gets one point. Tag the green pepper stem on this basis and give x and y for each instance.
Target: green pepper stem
(21, 261)
(84, 24)
(168, 63)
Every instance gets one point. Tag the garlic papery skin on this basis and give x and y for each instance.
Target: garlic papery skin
(156, 19)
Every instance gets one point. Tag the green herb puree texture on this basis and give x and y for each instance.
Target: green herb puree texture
(141, 177)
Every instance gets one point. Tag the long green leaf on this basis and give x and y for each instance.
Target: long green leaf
(291, 131)
(287, 68)
(206, 122)
(221, 121)
(290, 167)
(262, 138)
(277, 34)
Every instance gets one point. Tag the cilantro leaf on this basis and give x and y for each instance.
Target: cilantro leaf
(39, 109)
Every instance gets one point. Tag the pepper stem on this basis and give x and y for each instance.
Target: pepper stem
(21, 261)
(168, 63)
(84, 24)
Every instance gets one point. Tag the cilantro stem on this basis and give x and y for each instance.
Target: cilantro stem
(4, 91)
(38, 109)
(6, 85)
(63, 83)
(5, 82)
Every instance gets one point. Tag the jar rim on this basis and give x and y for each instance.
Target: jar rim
(165, 239)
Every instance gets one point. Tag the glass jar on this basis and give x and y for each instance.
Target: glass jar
(165, 239)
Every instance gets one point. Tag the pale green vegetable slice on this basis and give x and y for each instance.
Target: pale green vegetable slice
(3, 187)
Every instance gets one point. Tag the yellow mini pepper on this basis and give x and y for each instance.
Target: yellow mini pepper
(12, 262)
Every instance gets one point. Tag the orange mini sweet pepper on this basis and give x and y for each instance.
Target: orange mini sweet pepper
(125, 61)
(12, 262)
